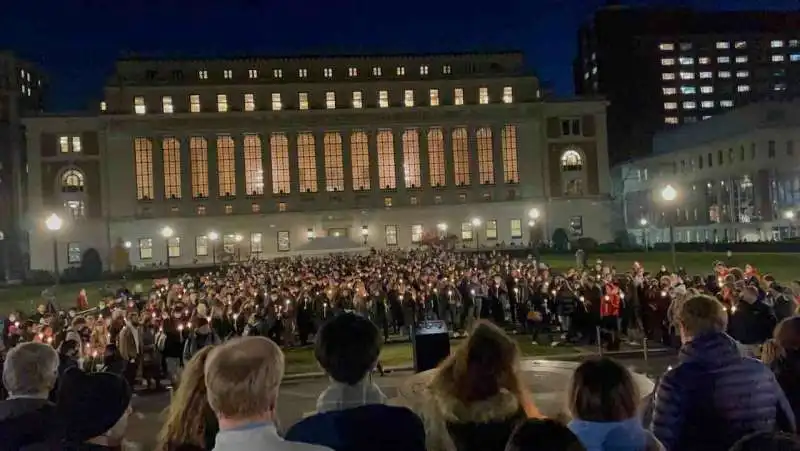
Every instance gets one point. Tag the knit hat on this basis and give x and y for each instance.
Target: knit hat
(91, 403)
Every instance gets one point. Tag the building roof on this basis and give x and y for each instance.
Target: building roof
(332, 55)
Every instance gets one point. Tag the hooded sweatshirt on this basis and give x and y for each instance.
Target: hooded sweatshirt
(627, 435)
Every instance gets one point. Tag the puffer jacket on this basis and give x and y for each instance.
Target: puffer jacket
(715, 396)
(787, 371)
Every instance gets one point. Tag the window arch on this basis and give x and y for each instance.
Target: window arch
(571, 160)
(72, 181)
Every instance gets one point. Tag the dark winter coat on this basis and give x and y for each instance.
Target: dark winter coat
(715, 396)
(787, 371)
(28, 424)
(752, 323)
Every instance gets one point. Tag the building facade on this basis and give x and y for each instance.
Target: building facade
(737, 177)
(21, 95)
(269, 154)
(663, 68)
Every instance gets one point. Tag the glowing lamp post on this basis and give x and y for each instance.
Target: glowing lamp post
(365, 234)
(167, 233)
(213, 237)
(643, 223)
(54, 224)
(669, 194)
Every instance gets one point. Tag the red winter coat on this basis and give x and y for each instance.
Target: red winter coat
(611, 302)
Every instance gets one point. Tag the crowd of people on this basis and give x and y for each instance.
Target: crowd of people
(216, 338)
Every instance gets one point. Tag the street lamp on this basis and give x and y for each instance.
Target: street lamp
(54, 224)
(213, 237)
(365, 233)
(669, 194)
(476, 222)
(533, 213)
(643, 223)
(167, 233)
(127, 244)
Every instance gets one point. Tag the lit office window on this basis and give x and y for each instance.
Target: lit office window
(387, 175)
(670, 106)
(253, 166)
(277, 73)
(741, 59)
(302, 73)
(357, 100)
(252, 73)
(466, 231)
(726, 103)
(249, 102)
(776, 44)
(279, 150)
(307, 162)
(417, 233)
(171, 150)
(227, 73)
(103, 106)
(723, 45)
(166, 105)
(174, 247)
(277, 105)
(408, 98)
(689, 105)
(669, 91)
(194, 103)
(198, 154)
(334, 168)
(401, 70)
(687, 75)
(423, 69)
(412, 175)
(302, 100)
(352, 71)
(436, 159)
(508, 141)
(226, 166)
(686, 60)
(330, 100)
(743, 88)
(327, 72)
(458, 96)
(63, 143)
(201, 246)
(222, 103)
(686, 46)
(256, 242)
(359, 155)
(672, 120)
(778, 58)
(723, 59)
(139, 107)
(742, 74)
(461, 156)
(485, 157)
(707, 104)
(143, 165)
(391, 233)
(447, 70)
(688, 90)
(202, 74)
(666, 46)
(483, 96)
(145, 248)
(383, 99)
(740, 45)
(434, 96)
(508, 94)
(668, 76)
(703, 60)
(667, 61)
(706, 75)
(707, 89)
(376, 71)
(794, 57)
(794, 43)
(724, 74)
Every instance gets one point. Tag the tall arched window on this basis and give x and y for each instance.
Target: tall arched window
(485, 157)
(460, 157)
(411, 167)
(72, 181)
(386, 166)
(572, 173)
(571, 160)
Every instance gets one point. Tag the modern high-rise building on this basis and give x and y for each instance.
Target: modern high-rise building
(189, 161)
(21, 95)
(662, 68)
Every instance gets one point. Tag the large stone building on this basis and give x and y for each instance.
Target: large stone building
(736, 175)
(269, 154)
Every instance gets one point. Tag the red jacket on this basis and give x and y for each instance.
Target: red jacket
(611, 301)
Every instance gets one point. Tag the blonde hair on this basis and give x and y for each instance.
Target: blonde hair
(188, 410)
(243, 376)
(701, 314)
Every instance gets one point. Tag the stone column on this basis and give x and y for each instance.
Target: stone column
(347, 161)
(294, 173)
(497, 156)
(474, 173)
(238, 155)
(266, 162)
(399, 158)
(449, 161)
(424, 160)
(372, 144)
(158, 168)
(213, 167)
(186, 164)
(319, 154)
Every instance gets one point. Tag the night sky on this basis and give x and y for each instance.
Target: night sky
(77, 41)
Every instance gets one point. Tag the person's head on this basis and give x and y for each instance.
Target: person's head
(242, 378)
(787, 334)
(78, 323)
(30, 369)
(347, 348)
(185, 423)
(95, 406)
(482, 366)
(133, 318)
(69, 348)
(700, 315)
(749, 294)
(602, 390)
(543, 435)
(768, 441)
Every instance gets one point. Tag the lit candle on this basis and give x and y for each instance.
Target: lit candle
(180, 327)
(663, 294)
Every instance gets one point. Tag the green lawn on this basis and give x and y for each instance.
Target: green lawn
(302, 360)
(27, 297)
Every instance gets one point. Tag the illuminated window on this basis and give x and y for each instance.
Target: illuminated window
(723, 45)
(228, 209)
(226, 166)
(706, 75)
(249, 102)
(387, 176)
(143, 160)
(376, 71)
(352, 71)
(330, 100)
(704, 60)
(667, 61)
(252, 73)
(447, 70)
(391, 235)
(201, 246)
(334, 167)
(327, 72)
(276, 101)
(357, 99)
(69, 144)
(359, 156)
(491, 229)
(509, 150)
(670, 106)
(668, 76)
(434, 96)
(408, 98)
(413, 200)
(741, 59)
(707, 104)
(690, 105)
(724, 59)
(401, 70)
(255, 207)
(194, 103)
(416, 233)
(227, 73)
(103, 106)
(778, 58)
(485, 157)
(145, 248)
(171, 150)
(198, 154)
(436, 159)
(686, 89)
(726, 103)
(461, 156)
(383, 99)
(740, 44)
(284, 244)
(411, 167)
(302, 73)
(222, 103)
(277, 73)
(508, 94)
(202, 74)
(256, 243)
(669, 91)
(743, 88)
(571, 160)
(139, 107)
(686, 60)
(483, 96)
(253, 166)
(423, 69)
(687, 75)
(666, 46)
(279, 150)
(671, 120)
(307, 162)
(776, 44)
(742, 74)
(174, 246)
(166, 105)
(466, 231)
(302, 100)
(724, 74)
(707, 89)
(72, 181)
(458, 96)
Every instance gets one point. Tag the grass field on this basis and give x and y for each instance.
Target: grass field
(784, 267)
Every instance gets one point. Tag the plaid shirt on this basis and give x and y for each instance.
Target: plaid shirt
(339, 396)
